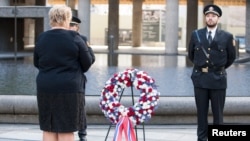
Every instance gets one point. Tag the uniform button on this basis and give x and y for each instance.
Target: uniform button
(208, 48)
(207, 61)
(221, 50)
(196, 71)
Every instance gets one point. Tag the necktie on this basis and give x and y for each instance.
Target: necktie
(209, 38)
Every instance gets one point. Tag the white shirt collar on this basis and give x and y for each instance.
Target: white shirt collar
(212, 31)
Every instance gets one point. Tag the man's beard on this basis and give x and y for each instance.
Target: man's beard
(211, 25)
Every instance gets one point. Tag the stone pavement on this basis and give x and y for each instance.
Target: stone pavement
(31, 132)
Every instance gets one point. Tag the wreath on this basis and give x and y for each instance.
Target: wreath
(142, 110)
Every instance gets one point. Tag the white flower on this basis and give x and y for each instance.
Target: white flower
(137, 108)
(150, 111)
(145, 106)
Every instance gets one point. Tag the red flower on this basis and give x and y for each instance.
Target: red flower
(150, 90)
(131, 112)
(110, 88)
(143, 98)
(128, 83)
(140, 82)
(115, 94)
(145, 78)
(150, 98)
(140, 111)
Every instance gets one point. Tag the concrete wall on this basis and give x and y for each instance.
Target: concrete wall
(171, 110)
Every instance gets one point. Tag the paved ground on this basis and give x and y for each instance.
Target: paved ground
(31, 132)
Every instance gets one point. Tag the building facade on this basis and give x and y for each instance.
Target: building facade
(23, 20)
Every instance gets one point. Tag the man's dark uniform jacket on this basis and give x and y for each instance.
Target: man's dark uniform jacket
(221, 55)
(85, 39)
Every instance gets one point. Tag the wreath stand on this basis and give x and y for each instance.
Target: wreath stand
(133, 102)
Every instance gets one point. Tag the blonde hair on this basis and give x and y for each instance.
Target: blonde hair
(60, 16)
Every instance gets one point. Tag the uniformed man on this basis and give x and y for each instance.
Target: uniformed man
(74, 25)
(212, 51)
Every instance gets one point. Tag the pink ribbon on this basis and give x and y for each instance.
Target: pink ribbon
(124, 124)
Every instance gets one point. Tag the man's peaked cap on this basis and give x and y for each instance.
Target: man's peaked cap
(212, 9)
(75, 20)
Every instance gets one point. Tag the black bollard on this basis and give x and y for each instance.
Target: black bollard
(111, 50)
(237, 46)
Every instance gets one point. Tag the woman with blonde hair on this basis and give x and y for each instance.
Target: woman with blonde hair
(61, 58)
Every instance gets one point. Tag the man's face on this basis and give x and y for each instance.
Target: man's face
(73, 26)
(211, 20)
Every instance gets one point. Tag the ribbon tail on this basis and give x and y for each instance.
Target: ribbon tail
(130, 131)
(125, 125)
(118, 130)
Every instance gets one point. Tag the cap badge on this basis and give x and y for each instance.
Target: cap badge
(211, 9)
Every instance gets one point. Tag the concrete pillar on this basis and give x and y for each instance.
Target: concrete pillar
(113, 31)
(247, 36)
(71, 3)
(46, 25)
(84, 15)
(5, 2)
(113, 23)
(137, 23)
(207, 2)
(192, 18)
(172, 25)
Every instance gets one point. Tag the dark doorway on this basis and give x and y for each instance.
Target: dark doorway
(7, 34)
